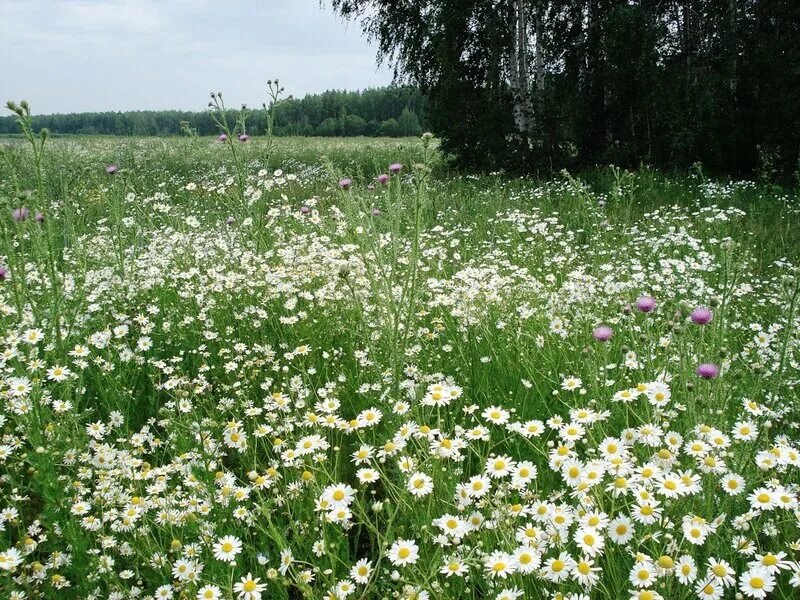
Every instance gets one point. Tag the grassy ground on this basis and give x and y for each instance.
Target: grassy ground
(225, 372)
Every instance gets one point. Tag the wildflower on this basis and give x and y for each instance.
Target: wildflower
(643, 574)
(709, 589)
(499, 565)
(686, 569)
(367, 475)
(20, 214)
(403, 552)
(361, 571)
(721, 571)
(420, 484)
(526, 560)
(451, 525)
(453, 565)
(771, 562)
(589, 541)
(249, 588)
(499, 466)
(383, 179)
(395, 168)
(756, 583)
(620, 530)
(559, 568)
(509, 594)
(33, 336)
(496, 415)
(708, 371)
(586, 573)
(645, 304)
(227, 548)
(701, 316)
(762, 499)
(163, 592)
(10, 559)
(58, 373)
(111, 169)
(338, 496)
(287, 558)
(645, 595)
(745, 431)
(345, 183)
(209, 592)
(603, 333)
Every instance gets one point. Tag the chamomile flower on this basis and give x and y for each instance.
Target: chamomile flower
(361, 571)
(404, 552)
(249, 588)
(756, 583)
(226, 548)
(420, 484)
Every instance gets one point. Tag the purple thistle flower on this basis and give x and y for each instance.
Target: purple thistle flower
(383, 179)
(603, 333)
(645, 303)
(304, 210)
(39, 217)
(345, 183)
(701, 315)
(708, 371)
(222, 137)
(20, 214)
(3, 273)
(376, 211)
(395, 167)
(230, 221)
(111, 169)
(244, 137)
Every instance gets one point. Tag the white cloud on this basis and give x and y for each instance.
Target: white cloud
(141, 16)
(79, 55)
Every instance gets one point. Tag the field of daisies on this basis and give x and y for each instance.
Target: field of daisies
(309, 369)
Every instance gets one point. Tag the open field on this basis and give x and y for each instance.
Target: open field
(256, 370)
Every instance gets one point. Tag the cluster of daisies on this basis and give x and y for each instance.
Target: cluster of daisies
(289, 402)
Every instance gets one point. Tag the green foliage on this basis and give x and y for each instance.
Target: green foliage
(666, 83)
(332, 113)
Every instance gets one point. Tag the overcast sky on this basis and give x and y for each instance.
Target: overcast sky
(90, 55)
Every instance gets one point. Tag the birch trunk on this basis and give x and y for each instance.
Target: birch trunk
(520, 83)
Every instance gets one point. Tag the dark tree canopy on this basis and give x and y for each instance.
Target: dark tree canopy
(529, 84)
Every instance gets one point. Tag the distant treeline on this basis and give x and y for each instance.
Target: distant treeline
(388, 111)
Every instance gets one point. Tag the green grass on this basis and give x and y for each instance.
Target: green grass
(207, 352)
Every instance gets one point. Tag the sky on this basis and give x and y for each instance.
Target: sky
(95, 55)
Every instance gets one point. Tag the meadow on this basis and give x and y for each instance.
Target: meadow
(307, 368)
